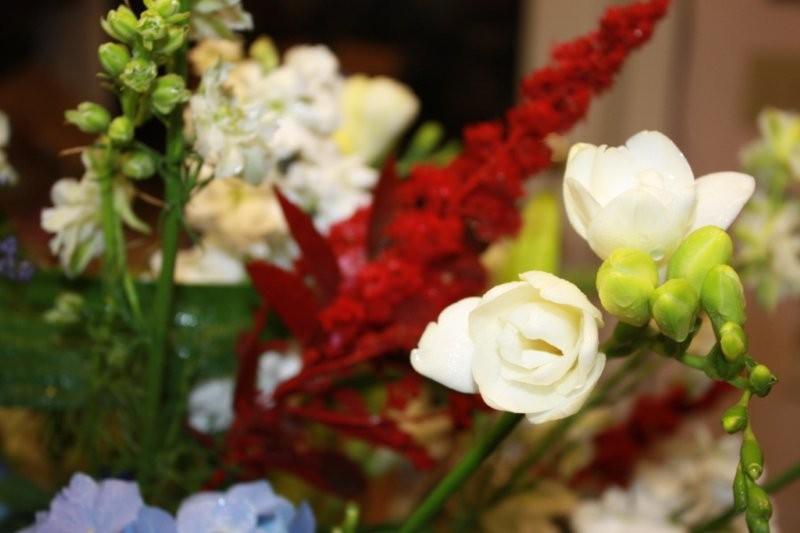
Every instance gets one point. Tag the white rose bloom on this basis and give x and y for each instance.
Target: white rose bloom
(376, 112)
(211, 402)
(643, 195)
(529, 346)
(218, 18)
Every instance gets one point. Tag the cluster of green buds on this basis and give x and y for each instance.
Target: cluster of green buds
(699, 279)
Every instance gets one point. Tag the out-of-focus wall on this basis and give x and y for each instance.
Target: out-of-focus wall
(702, 79)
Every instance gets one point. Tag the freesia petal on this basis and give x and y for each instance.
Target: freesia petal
(445, 352)
(580, 162)
(570, 404)
(720, 197)
(614, 172)
(560, 291)
(641, 220)
(656, 151)
(580, 205)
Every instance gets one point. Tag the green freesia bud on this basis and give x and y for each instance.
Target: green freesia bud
(120, 131)
(734, 419)
(625, 283)
(723, 297)
(152, 27)
(138, 164)
(758, 503)
(175, 39)
(733, 341)
(263, 50)
(752, 458)
(139, 74)
(165, 8)
(739, 490)
(170, 90)
(762, 380)
(121, 24)
(113, 58)
(756, 524)
(88, 117)
(700, 251)
(674, 306)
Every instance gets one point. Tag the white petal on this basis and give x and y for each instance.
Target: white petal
(580, 205)
(614, 172)
(560, 291)
(570, 404)
(546, 321)
(639, 219)
(445, 350)
(720, 197)
(656, 151)
(580, 163)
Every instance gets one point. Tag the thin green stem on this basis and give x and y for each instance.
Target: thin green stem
(454, 479)
(775, 484)
(165, 285)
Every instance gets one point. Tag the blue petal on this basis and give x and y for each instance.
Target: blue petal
(152, 520)
(303, 521)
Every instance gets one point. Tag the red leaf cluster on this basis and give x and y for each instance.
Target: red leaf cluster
(401, 262)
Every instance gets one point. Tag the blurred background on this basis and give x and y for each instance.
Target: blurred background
(709, 69)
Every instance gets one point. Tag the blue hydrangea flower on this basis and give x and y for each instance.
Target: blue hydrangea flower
(244, 508)
(88, 506)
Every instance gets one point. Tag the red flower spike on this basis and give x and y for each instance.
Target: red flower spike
(318, 257)
(289, 296)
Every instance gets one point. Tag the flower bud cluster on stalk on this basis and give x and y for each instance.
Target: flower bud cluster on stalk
(699, 280)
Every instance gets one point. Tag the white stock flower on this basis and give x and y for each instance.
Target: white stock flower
(8, 175)
(211, 402)
(209, 52)
(218, 18)
(204, 264)
(643, 195)
(76, 218)
(528, 346)
(376, 111)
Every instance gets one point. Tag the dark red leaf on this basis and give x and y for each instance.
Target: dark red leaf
(288, 295)
(318, 256)
(384, 205)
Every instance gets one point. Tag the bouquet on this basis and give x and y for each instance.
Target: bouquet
(337, 308)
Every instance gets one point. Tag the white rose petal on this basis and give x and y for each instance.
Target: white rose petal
(531, 347)
(643, 195)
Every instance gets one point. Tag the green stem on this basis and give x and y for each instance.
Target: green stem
(468, 464)
(775, 484)
(165, 285)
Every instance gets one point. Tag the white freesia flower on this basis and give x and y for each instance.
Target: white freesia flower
(211, 402)
(376, 111)
(643, 195)
(529, 346)
(218, 18)
(75, 218)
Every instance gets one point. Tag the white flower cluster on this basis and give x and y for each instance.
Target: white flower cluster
(76, 217)
(8, 176)
(691, 484)
(218, 18)
(295, 126)
(211, 402)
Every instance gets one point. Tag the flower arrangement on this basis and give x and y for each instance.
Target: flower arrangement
(331, 325)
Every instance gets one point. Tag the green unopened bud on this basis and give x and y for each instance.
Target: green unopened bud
(121, 24)
(88, 117)
(739, 490)
(170, 90)
(120, 131)
(674, 307)
(625, 283)
(762, 380)
(700, 251)
(175, 39)
(152, 27)
(165, 8)
(752, 458)
(113, 58)
(756, 524)
(139, 73)
(734, 419)
(138, 165)
(263, 50)
(733, 341)
(723, 296)
(758, 503)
